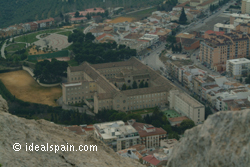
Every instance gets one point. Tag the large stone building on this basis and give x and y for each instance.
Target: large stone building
(217, 49)
(187, 106)
(95, 84)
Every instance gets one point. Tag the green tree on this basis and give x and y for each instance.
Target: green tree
(180, 48)
(134, 85)
(129, 87)
(183, 17)
(241, 80)
(115, 84)
(89, 37)
(141, 85)
(171, 39)
(173, 135)
(146, 84)
(106, 14)
(124, 87)
(186, 124)
(208, 112)
(88, 16)
(52, 117)
(77, 14)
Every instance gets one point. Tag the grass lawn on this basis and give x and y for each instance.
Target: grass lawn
(143, 111)
(68, 48)
(142, 14)
(72, 63)
(66, 33)
(30, 38)
(15, 47)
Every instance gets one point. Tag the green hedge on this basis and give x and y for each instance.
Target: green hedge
(63, 53)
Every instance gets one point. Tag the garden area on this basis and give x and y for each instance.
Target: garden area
(171, 113)
(15, 47)
(143, 111)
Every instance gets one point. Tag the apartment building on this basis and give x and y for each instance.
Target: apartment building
(117, 135)
(216, 50)
(201, 81)
(150, 136)
(243, 27)
(174, 68)
(96, 84)
(236, 67)
(245, 6)
(187, 106)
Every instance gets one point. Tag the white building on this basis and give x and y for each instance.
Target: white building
(187, 106)
(235, 67)
(125, 26)
(151, 38)
(117, 135)
(224, 27)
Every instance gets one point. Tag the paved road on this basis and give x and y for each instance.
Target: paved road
(153, 59)
(209, 22)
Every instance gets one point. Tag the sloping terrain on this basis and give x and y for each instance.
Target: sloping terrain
(19, 130)
(20, 11)
(222, 141)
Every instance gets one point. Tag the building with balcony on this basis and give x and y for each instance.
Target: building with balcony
(236, 67)
(187, 106)
(117, 134)
(150, 136)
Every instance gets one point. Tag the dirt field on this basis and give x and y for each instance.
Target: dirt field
(122, 19)
(24, 87)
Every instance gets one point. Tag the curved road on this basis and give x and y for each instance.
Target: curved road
(153, 60)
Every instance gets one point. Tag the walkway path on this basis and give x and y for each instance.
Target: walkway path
(2, 50)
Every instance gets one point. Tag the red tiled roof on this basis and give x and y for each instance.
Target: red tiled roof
(78, 18)
(103, 35)
(143, 133)
(76, 129)
(177, 119)
(215, 32)
(151, 159)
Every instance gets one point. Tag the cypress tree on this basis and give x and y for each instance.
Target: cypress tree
(183, 17)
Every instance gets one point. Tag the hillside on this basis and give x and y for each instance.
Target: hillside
(20, 11)
(223, 140)
(19, 130)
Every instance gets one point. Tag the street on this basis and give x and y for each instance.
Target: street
(152, 59)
